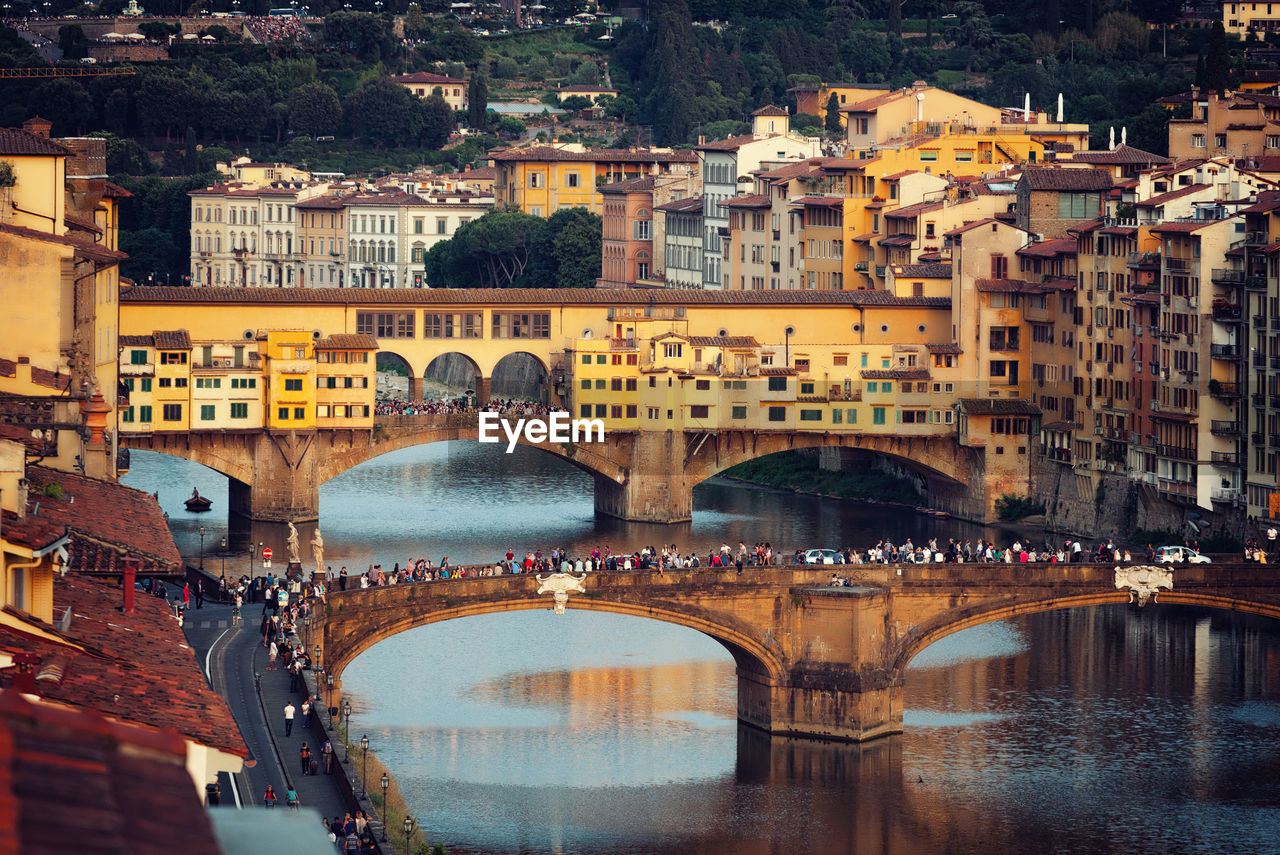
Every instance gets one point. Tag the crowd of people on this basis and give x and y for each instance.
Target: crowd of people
(270, 29)
(456, 406)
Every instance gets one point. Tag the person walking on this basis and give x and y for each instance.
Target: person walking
(306, 712)
(304, 758)
(326, 754)
(269, 797)
(288, 718)
(200, 593)
(291, 796)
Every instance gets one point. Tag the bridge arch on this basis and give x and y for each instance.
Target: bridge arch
(458, 372)
(521, 374)
(346, 639)
(929, 632)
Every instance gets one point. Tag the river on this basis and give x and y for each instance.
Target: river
(1094, 730)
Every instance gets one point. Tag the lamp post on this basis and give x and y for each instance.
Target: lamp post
(364, 763)
(315, 662)
(222, 547)
(346, 712)
(201, 549)
(386, 782)
(408, 829)
(306, 630)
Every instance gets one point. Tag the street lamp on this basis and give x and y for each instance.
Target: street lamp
(315, 662)
(346, 711)
(201, 549)
(408, 829)
(306, 630)
(386, 782)
(364, 763)
(222, 547)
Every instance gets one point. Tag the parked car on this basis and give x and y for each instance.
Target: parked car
(823, 556)
(1180, 555)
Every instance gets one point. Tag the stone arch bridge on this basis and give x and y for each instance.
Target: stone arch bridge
(812, 660)
(645, 476)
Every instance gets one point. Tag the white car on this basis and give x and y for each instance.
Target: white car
(823, 556)
(1180, 555)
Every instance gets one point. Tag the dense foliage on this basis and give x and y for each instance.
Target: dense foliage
(507, 249)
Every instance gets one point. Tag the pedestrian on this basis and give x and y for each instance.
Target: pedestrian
(306, 712)
(304, 758)
(288, 718)
(186, 595)
(200, 593)
(272, 652)
(326, 754)
(291, 796)
(269, 797)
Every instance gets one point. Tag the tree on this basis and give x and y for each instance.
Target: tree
(314, 110)
(73, 42)
(574, 103)
(510, 127)
(434, 121)
(477, 101)
(1217, 63)
(363, 33)
(567, 254)
(490, 252)
(832, 121)
(415, 23)
(381, 110)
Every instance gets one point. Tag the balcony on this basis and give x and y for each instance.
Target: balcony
(1218, 389)
(1259, 399)
(1224, 351)
(622, 343)
(1273, 440)
(1229, 277)
(122, 461)
(1179, 489)
(1180, 264)
(1259, 322)
(1227, 496)
(1225, 458)
(1257, 438)
(217, 362)
(1224, 427)
(1147, 260)
(1061, 455)
(1177, 452)
(1226, 312)
(1257, 283)
(137, 369)
(1259, 360)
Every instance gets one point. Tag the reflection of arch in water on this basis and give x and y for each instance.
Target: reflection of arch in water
(451, 375)
(520, 375)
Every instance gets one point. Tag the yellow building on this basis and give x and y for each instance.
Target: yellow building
(254, 175)
(58, 241)
(346, 377)
(172, 390)
(813, 98)
(543, 180)
(423, 84)
(290, 369)
(29, 544)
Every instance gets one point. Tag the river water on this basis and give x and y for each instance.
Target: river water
(1094, 730)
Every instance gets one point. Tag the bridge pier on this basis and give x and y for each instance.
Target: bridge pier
(655, 488)
(822, 703)
(285, 486)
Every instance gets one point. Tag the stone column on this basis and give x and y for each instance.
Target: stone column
(285, 487)
(482, 390)
(655, 489)
(824, 703)
(415, 389)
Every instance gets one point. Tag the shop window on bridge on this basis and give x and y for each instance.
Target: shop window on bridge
(239, 411)
(738, 412)
(777, 414)
(207, 412)
(173, 358)
(523, 325)
(385, 324)
(138, 357)
(144, 415)
(586, 384)
(1009, 427)
(631, 384)
(877, 415)
(806, 388)
(777, 384)
(585, 411)
(912, 417)
(811, 415)
(294, 384)
(172, 412)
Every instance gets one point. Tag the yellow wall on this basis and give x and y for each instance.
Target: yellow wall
(359, 368)
(39, 198)
(290, 362)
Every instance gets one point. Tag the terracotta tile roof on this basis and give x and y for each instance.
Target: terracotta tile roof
(107, 522)
(777, 371)
(483, 173)
(33, 532)
(1121, 155)
(581, 88)
(172, 339)
(898, 240)
(914, 210)
(872, 103)
(347, 341)
(967, 227)
(752, 200)
(998, 286)
(39, 376)
(729, 144)
(1141, 298)
(137, 340)
(596, 155)
(932, 270)
(1155, 201)
(771, 111)
(15, 141)
(428, 77)
(822, 201)
(85, 248)
(691, 205)
(137, 665)
(115, 191)
(516, 296)
(723, 341)
(943, 348)
(630, 185)
(895, 374)
(1049, 248)
(1185, 228)
(21, 434)
(81, 223)
(324, 203)
(998, 407)
(1069, 180)
(77, 780)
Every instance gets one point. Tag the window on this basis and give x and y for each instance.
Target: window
(385, 324)
(173, 358)
(585, 410)
(811, 415)
(522, 325)
(602, 411)
(777, 414)
(166, 382)
(206, 412)
(877, 415)
(299, 412)
(738, 412)
(1197, 140)
(806, 388)
(239, 411)
(293, 384)
(631, 384)
(126, 415)
(146, 384)
(601, 359)
(138, 357)
(702, 385)
(144, 415)
(1078, 206)
(698, 411)
(172, 412)
(586, 384)
(673, 350)
(600, 383)
(928, 156)
(643, 230)
(283, 414)
(777, 384)
(586, 359)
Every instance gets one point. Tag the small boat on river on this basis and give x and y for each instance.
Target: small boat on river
(198, 503)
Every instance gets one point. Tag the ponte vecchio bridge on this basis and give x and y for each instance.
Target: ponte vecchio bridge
(687, 384)
(812, 660)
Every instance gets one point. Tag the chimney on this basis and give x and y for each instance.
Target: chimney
(130, 579)
(37, 126)
(1059, 108)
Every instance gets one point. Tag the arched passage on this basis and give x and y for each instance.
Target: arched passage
(522, 376)
(397, 380)
(450, 376)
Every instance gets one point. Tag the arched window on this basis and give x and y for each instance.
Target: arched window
(217, 243)
(391, 253)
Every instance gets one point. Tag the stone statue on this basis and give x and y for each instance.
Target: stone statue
(1144, 582)
(292, 543)
(317, 550)
(560, 585)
